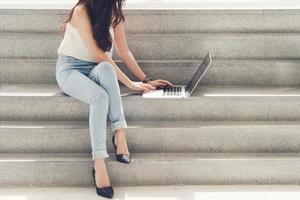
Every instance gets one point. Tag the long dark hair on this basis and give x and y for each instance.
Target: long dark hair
(103, 14)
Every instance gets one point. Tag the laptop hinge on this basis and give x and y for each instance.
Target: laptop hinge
(187, 92)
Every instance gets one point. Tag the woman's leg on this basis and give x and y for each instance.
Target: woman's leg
(71, 75)
(79, 86)
(104, 74)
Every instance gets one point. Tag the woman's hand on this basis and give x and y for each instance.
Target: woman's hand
(160, 82)
(140, 86)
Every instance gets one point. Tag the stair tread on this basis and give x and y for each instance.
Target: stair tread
(206, 35)
(203, 91)
(253, 60)
(236, 45)
(151, 156)
(163, 5)
(173, 7)
(148, 124)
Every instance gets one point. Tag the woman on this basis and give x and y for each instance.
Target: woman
(85, 70)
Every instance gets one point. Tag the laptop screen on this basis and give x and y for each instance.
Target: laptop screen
(198, 74)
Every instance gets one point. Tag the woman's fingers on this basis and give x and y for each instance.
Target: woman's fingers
(150, 87)
(166, 82)
(161, 84)
(144, 88)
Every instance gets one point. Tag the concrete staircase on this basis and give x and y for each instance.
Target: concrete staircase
(241, 126)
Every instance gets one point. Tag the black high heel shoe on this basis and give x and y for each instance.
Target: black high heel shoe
(122, 158)
(107, 192)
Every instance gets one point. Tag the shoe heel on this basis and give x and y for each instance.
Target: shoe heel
(114, 144)
(94, 178)
(122, 158)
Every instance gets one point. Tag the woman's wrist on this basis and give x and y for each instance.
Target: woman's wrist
(129, 84)
(147, 79)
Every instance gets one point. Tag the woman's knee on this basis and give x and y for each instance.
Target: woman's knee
(106, 69)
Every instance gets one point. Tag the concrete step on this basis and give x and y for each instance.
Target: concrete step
(165, 20)
(163, 47)
(151, 169)
(161, 137)
(222, 72)
(180, 192)
(160, 4)
(46, 102)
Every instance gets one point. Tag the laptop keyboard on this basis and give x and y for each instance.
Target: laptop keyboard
(172, 91)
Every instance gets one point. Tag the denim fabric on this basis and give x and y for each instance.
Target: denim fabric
(97, 85)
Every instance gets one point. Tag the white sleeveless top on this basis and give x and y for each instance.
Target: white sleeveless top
(73, 45)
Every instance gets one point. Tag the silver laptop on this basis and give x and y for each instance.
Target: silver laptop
(182, 91)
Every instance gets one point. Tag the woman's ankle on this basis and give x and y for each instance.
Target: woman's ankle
(120, 131)
(98, 161)
(101, 171)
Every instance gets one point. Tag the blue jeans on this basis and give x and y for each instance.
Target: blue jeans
(97, 85)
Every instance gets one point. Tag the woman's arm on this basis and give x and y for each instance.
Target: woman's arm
(80, 20)
(128, 58)
(125, 54)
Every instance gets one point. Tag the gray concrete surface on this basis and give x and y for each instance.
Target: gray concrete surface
(222, 72)
(239, 127)
(151, 169)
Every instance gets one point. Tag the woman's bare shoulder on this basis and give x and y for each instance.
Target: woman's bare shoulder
(80, 9)
(79, 14)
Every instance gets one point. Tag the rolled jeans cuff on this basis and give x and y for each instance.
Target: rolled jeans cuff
(99, 154)
(118, 125)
